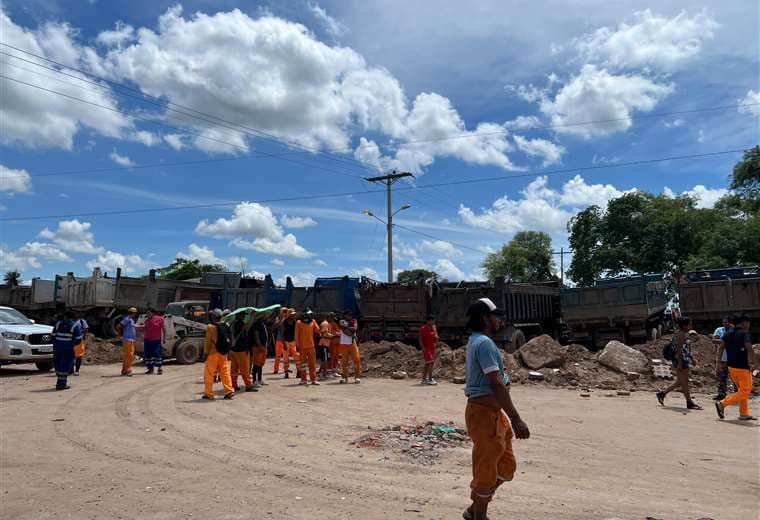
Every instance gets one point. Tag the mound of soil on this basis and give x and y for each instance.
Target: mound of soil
(102, 351)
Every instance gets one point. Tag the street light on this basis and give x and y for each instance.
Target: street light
(389, 228)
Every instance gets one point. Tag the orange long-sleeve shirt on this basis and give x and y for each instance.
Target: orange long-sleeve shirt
(305, 334)
(209, 342)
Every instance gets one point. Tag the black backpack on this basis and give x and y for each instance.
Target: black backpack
(223, 338)
(669, 350)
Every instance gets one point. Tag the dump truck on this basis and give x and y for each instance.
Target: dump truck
(530, 309)
(628, 309)
(707, 296)
(393, 311)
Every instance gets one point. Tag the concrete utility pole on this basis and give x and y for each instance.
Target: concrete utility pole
(389, 180)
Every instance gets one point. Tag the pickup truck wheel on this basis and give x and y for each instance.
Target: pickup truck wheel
(187, 353)
(44, 366)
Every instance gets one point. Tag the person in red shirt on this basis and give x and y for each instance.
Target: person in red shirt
(428, 341)
(153, 334)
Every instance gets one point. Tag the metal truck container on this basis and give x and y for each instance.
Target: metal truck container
(530, 310)
(151, 292)
(707, 296)
(393, 311)
(48, 292)
(96, 291)
(336, 294)
(627, 309)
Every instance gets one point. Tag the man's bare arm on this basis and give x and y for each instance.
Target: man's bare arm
(501, 393)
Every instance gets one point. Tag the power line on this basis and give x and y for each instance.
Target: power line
(209, 118)
(345, 194)
(332, 170)
(273, 137)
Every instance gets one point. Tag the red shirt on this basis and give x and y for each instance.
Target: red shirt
(429, 336)
(153, 327)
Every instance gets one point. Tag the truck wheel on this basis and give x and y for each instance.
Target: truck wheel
(654, 334)
(187, 353)
(109, 326)
(517, 340)
(44, 366)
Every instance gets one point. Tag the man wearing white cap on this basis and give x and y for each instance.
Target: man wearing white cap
(488, 406)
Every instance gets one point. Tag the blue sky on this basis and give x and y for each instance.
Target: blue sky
(266, 101)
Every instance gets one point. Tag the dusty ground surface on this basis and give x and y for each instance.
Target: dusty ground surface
(147, 447)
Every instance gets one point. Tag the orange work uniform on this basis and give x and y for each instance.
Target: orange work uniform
(240, 366)
(493, 461)
(127, 355)
(349, 349)
(215, 362)
(334, 345)
(305, 333)
(743, 379)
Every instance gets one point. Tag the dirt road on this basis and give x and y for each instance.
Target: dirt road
(147, 447)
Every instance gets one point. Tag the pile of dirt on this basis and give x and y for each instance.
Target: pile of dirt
(382, 359)
(417, 443)
(580, 369)
(102, 351)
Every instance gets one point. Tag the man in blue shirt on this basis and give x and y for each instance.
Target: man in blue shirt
(721, 363)
(488, 406)
(66, 334)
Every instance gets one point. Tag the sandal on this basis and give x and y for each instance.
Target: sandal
(693, 406)
(720, 409)
(661, 398)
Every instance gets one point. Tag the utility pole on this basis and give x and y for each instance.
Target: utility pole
(389, 180)
(562, 254)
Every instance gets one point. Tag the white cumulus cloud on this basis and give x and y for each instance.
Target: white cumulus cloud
(440, 247)
(109, 261)
(73, 236)
(448, 270)
(121, 160)
(297, 222)
(551, 153)
(750, 103)
(14, 181)
(651, 41)
(705, 197)
(204, 254)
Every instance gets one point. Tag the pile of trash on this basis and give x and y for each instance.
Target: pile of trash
(102, 351)
(417, 443)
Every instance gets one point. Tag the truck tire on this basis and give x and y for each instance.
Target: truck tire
(109, 326)
(654, 334)
(44, 366)
(516, 341)
(187, 353)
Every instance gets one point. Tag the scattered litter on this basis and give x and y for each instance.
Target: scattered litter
(417, 443)
(536, 376)
(661, 371)
(400, 374)
(623, 393)
(58, 420)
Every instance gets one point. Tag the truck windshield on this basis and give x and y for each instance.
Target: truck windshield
(13, 317)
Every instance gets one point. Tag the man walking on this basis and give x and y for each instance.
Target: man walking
(306, 330)
(153, 334)
(240, 357)
(66, 334)
(717, 339)
(259, 339)
(348, 348)
(216, 346)
(326, 336)
(428, 341)
(80, 348)
(738, 346)
(128, 333)
(487, 391)
(289, 342)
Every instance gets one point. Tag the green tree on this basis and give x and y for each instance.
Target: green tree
(412, 275)
(184, 269)
(12, 278)
(526, 258)
(586, 242)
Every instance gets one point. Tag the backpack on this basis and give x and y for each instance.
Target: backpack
(669, 351)
(223, 338)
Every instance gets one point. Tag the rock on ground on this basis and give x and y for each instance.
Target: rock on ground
(622, 358)
(543, 352)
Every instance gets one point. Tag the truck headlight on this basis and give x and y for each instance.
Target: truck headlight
(12, 335)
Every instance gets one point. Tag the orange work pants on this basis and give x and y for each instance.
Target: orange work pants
(493, 461)
(350, 351)
(127, 356)
(308, 355)
(259, 356)
(284, 350)
(79, 349)
(216, 362)
(334, 353)
(240, 365)
(743, 380)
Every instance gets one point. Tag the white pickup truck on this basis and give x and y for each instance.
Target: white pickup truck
(23, 341)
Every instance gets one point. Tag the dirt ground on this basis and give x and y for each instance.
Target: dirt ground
(147, 447)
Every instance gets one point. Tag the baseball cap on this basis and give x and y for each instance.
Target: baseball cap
(217, 313)
(132, 310)
(484, 307)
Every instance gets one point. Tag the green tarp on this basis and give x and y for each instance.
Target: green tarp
(246, 311)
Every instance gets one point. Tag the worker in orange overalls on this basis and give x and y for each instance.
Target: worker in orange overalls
(306, 330)
(279, 343)
(332, 319)
(326, 336)
(79, 348)
(349, 348)
(289, 342)
(216, 346)
(240, 356)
